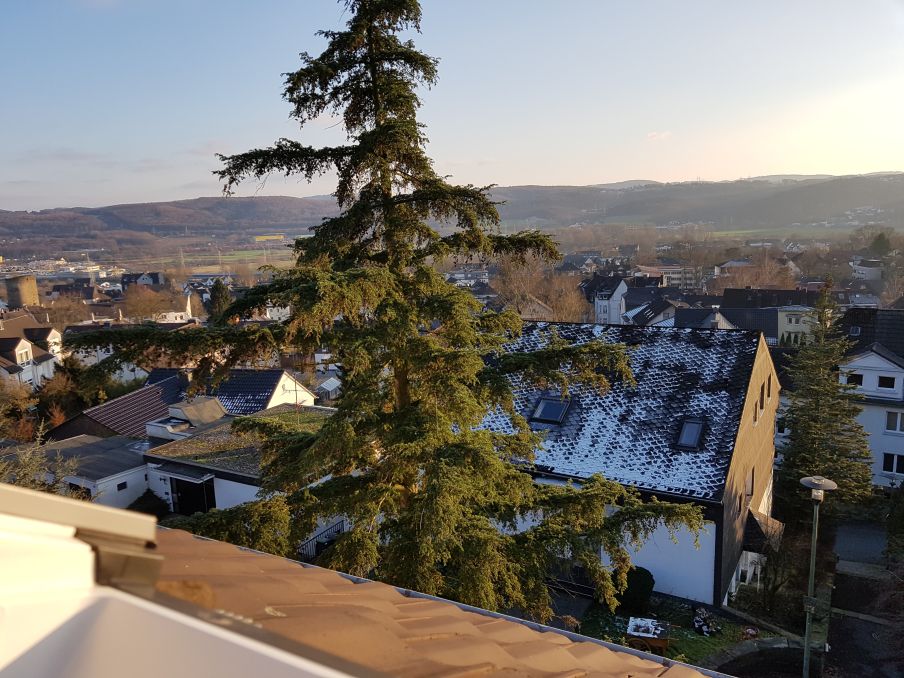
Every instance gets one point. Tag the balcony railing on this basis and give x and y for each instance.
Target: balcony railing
(314, 546)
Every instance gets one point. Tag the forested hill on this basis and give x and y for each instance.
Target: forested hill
(753, 203)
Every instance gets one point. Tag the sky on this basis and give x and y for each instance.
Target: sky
(115, 101)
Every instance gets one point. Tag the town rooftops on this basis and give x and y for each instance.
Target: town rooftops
(762, 298)
(600, 286)
(631, 434)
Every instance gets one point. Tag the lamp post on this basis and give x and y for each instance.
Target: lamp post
(818, 486)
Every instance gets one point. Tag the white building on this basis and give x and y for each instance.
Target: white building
(878, 375)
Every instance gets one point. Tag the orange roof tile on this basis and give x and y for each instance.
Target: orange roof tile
(378, 626)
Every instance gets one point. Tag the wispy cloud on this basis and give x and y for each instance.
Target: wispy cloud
(659, 136)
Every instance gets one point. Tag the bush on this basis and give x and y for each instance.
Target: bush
(635, 599)
(150, 503)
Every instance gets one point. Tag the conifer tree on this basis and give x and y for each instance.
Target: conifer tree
(825, 438)
(220, 299)
(432, 500)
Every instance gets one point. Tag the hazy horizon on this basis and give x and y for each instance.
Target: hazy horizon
(124, 101)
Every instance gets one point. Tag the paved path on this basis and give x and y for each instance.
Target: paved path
(861, 542)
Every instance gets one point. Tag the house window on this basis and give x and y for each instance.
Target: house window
(855, 379)
(894, 421)
(886, 382)
(22, 357)
(854, 331)
(750, 483)
(691, 432)
(550, 411)
(781, 425)
(762, 396)
(123, 485)
(769, 386)
(893, 463)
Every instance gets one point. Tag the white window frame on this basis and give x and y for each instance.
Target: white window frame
(899, 430)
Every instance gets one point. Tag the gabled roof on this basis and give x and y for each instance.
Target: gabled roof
(600, 286)
(883, 326)
(630, 433)
(881, 351)
(244, 392)
(128, 414)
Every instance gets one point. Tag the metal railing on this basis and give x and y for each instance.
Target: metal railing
(308, 550)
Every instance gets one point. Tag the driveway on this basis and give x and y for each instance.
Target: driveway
(861, 543)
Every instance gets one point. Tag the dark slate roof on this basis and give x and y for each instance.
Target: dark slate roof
(649, 311)
(600, 286)
(629, 434)
(638, 296)
(128, 414)
(244, 392)
(99, 457)
(758, 298)
(877, 326)
(693, 317)
(763, 320)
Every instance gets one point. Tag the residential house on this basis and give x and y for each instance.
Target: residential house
(655, 312)
(727, 268)
(606, 294)
(217, 467)
(91, 356)
(875, 365)
(153, 279)
(126, 415)
(111, 470)
(697, 427)
(866, 269)
(29, 350)
(94, 591)
(244, 391)
(24, 362)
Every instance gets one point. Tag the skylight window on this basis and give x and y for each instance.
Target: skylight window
(550, 411)
(691, 433)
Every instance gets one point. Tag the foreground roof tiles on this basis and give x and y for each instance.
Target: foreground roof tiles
(630, 433)
(377, 626)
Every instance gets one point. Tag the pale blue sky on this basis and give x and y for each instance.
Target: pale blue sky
(106, 101)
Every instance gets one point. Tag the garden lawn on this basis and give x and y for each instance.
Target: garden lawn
(685, 644)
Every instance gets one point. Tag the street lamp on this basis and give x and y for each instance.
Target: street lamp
(818, 487)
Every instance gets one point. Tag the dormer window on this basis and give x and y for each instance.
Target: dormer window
(550, 411)
(886, 382)
(854, 379)
(691, 433)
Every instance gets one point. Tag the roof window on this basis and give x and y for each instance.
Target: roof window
(691, 433)
(550, 411)
(854, 331)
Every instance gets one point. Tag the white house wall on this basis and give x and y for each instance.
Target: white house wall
(159, 485)
(136, 485)
(229, 493)
(882, 442)
(680, 569)
(290, 392)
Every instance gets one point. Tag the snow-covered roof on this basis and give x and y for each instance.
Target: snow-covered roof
(630, 434)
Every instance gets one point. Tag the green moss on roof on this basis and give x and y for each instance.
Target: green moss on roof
(223, 448)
